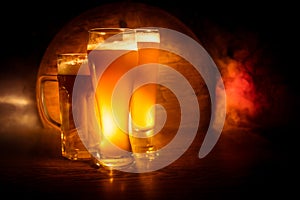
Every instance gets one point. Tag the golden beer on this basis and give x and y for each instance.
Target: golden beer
(108, 62)
(72, 145)
(142, 104)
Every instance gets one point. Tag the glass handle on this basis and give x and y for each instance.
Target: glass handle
(41, 100)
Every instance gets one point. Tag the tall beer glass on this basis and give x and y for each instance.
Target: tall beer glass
(112, 52)
(142, 105)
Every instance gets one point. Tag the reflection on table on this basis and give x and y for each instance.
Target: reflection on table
(243, 164)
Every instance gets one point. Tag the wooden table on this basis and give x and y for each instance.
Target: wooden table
(242, 165)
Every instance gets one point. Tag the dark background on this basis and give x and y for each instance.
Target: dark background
(27, 28)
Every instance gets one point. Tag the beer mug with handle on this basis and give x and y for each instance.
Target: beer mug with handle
(68, 64)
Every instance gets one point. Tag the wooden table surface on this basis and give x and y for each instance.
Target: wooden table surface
(242, 165)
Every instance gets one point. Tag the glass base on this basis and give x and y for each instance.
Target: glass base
(116, 162)
(145, 152)
(77, 155)
(150, 155)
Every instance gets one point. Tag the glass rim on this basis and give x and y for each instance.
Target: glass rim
(147, 29)
(108, 30)
(72, 54)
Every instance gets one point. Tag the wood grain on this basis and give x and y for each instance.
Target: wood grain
(242, 165)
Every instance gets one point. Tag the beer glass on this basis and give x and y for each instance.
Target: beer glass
(68, 64)
(112, 52)
(142, 104)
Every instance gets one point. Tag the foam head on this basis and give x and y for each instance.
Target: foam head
(69, 64)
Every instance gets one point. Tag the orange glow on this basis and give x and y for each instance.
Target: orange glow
(142, 111)
(240, 89)
(144, 98)
(115, 127)
(108, 125)
(243, 99)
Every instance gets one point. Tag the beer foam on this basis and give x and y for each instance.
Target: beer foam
(148, 36)
(92, 46)
(117, 45)
(72, 67)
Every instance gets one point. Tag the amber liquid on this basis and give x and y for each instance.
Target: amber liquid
(72, 145)
(115, 148)
(142, 107)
